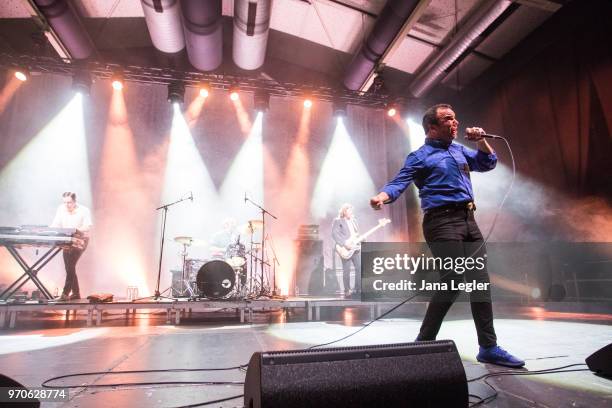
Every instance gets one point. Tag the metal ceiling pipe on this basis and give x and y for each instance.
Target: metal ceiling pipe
(486, 14)
(203, 29)
(163, 18)
(251, 27)
(64, 20)
(389, 23)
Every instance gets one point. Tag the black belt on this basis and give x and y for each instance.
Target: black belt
(469, 206)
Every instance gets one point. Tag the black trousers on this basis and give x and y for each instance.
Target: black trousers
(454, 233)
(71, 257)
(346, 271)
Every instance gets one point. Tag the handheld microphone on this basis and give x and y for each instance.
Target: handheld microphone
(191, 196)
(487, 136)
(245, 197)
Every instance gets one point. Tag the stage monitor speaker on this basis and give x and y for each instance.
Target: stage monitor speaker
(7, 382)
(309, 267)
(601, 361)
(423, 374)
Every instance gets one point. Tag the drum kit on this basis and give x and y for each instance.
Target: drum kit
(231, 273)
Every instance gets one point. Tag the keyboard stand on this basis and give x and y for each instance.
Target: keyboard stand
(30, 272)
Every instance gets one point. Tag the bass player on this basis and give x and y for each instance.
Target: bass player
(344, 231)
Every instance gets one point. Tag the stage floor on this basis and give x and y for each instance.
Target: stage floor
(144, 342)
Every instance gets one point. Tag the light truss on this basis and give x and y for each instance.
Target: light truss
(155, 75)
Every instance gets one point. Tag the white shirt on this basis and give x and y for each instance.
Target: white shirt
(80, 218)
(352, 226)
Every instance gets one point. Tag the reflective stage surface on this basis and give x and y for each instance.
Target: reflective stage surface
(544, 339)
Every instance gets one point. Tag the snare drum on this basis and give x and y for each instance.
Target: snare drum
(216, 279)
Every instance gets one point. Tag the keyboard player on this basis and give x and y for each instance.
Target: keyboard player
(72, 215)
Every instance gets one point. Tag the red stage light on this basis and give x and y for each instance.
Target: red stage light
(391, 112)
(307, 103)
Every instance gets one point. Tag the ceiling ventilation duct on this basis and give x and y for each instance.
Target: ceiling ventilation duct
(67, 26)
(163, 18)
(251, 27)
(485, 14)
(389, 23)
(203, 30)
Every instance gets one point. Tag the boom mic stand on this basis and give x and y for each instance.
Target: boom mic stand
(164, 207)
(263, 235)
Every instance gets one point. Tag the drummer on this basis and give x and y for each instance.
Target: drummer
(223, 238)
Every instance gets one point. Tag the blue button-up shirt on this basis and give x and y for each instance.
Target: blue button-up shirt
(441, 171)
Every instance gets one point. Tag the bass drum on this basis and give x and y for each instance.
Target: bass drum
(216, 280)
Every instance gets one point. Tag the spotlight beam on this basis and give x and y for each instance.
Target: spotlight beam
(335, 184)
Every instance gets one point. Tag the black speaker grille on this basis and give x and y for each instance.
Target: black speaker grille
(427, 374)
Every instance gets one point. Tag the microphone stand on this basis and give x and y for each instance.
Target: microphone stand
(274, 263)
(263, 235)
(164, 207)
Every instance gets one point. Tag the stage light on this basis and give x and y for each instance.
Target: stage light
(307, 103)
(394, 106)
(117, 81)
(339, 108)
(261, 101)
(204, 90)
(176, 93)
(22, 74)
(234, 93)
(81, 82)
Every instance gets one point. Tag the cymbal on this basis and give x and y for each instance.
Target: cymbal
(251, 226)
(190, 241)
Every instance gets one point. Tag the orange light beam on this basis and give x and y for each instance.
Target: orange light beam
(294, 200)
(194, 110)
(243, 117)
(121, 198)
(8, 91)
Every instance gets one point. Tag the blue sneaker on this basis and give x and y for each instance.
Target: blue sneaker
(499, 356)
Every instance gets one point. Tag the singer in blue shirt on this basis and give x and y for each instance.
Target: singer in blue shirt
(440, 169)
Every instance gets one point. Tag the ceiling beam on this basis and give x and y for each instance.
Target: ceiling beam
(41, 21)
(408, 24)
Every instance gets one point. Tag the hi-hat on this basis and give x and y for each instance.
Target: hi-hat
(190, 241)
